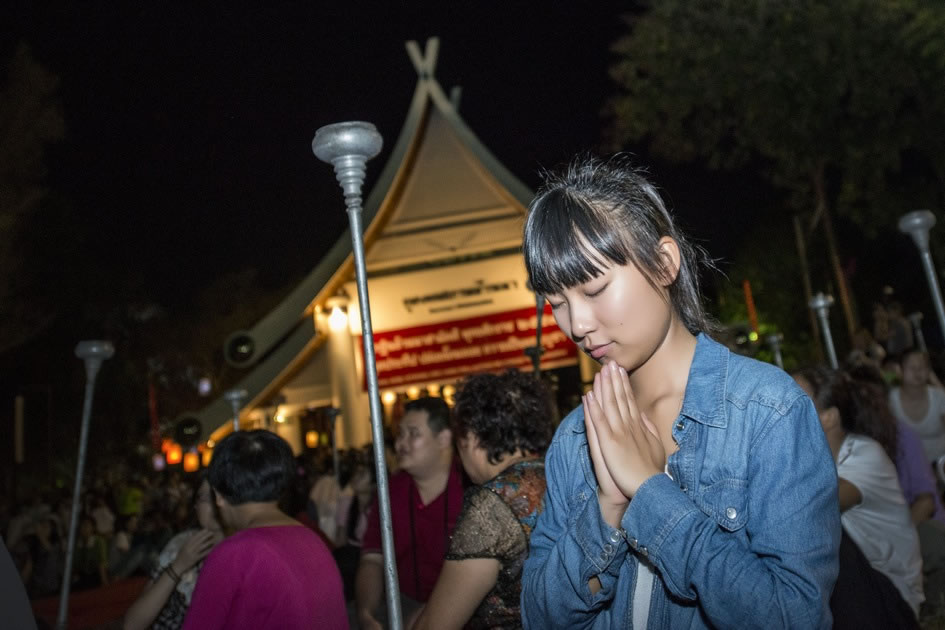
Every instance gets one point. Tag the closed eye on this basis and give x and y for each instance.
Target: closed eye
(597, 292)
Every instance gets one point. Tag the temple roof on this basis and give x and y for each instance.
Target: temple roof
(442, 199)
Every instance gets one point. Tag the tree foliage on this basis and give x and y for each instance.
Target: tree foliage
(840, 103)
(30, 119)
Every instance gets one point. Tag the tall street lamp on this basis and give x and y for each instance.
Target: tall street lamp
(821, 304)
(347, 146)
(93, 353)
(774, 342)
(236, 397)
(917, 225)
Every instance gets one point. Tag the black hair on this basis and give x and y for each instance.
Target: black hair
(860, 399)
(506, 412)
(251, 467)
(438, 412)
(599, 212)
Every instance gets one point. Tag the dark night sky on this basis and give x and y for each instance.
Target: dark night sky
(187, 150)
(188, 129)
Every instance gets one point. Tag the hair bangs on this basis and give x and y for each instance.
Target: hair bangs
(568, 242)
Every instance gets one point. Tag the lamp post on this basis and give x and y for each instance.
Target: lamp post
(93, 353)
(236, 397)
(821, 304)
(917, 225)
(774, 342)
(347, 146)
(535, 352)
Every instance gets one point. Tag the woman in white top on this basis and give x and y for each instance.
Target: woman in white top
(874, 512)
(920, 404)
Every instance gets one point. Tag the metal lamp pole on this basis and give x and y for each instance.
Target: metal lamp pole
(93, 353)
(535, 352)
(348, 146)
(236, 397)
(821, 304)
(774, 341)
(917, 225)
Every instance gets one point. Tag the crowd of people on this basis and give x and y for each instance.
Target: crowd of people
(693, 487)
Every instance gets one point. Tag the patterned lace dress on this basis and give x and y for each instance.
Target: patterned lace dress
(496, 522)
(173, 613)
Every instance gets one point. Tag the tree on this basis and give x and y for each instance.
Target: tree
(838, 103)
(30, 119)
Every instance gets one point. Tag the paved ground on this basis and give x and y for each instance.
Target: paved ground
(94, 609)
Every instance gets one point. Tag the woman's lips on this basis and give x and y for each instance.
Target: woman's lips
(597, 352)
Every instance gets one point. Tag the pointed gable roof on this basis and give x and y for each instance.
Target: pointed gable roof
(442, 197)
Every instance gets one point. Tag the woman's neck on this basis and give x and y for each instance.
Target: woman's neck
(912, 391)
(663, 378)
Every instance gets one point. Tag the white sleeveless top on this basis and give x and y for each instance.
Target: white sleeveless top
(930, 429)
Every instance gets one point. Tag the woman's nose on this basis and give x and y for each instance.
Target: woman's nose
(582, 321)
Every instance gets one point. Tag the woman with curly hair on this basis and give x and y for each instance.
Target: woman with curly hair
(502, 424)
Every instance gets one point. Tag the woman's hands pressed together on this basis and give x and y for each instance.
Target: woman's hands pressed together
(624, 445)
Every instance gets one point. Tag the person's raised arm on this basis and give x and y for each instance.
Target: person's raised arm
(148, 606)
(369, 589)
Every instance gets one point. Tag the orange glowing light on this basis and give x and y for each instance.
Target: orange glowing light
(311, 439)
(207, 456)
(174, 454)
(191, 462)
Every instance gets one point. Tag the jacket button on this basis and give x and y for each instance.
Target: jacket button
(731, 513)
(680, 425)
(608, 549)
(614, 537)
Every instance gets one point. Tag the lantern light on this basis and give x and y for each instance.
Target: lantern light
(191, 462)
(174, 454)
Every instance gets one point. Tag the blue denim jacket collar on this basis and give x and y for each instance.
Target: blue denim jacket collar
(704, 400)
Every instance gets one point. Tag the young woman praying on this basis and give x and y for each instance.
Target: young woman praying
(694, 487)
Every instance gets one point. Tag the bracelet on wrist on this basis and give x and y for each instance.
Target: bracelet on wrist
(171, 573)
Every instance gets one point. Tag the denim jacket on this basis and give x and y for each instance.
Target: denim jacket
(743, 532)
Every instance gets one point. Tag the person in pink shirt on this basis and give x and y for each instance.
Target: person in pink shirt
(273, 572)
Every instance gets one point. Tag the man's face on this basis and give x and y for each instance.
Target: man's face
(418, 448)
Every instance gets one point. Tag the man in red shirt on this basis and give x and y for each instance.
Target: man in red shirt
(426, 496)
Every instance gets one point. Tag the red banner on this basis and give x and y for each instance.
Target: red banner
(450, 350)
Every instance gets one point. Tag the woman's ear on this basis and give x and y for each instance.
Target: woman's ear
(670, 260)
